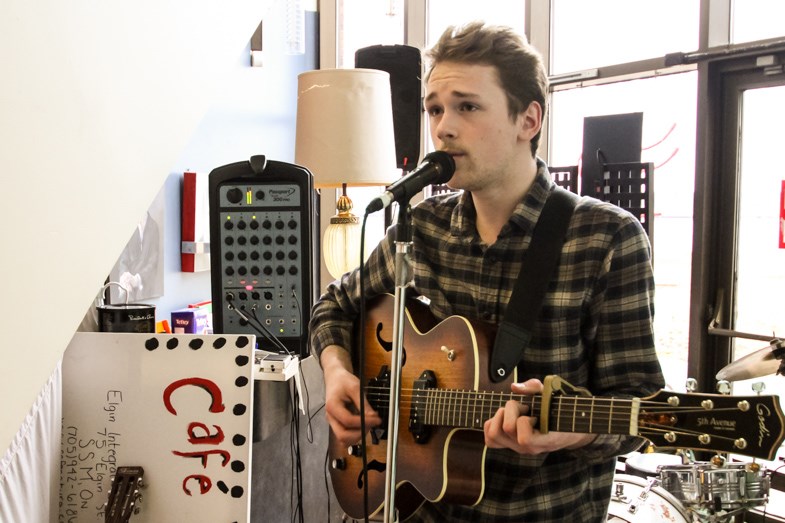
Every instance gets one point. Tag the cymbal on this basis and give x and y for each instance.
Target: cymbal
(760, 363)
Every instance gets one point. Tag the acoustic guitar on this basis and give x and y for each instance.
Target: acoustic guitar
(447, 395)
(124, 495)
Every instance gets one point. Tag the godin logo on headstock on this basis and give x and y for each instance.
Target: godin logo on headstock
(763, 413)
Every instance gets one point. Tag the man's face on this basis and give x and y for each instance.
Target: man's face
(468, 115)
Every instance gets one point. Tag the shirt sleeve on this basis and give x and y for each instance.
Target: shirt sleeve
(625, 358)
(333, 316)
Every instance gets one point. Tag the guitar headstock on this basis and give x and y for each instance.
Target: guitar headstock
(124, 496)
(747, 425)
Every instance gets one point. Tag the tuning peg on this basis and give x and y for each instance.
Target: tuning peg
(691, 385)
(723, 387)
(758, 387)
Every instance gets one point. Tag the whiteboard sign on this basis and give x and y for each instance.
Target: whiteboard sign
(179, 406)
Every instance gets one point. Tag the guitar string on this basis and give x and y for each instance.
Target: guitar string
(602, 415)
(449, 396)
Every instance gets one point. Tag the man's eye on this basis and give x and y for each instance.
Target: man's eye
(468, 107)
(434, 111)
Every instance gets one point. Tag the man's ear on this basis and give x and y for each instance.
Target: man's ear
(530, 121)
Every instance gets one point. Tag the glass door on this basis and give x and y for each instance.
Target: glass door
(760, 260)
(740, 258)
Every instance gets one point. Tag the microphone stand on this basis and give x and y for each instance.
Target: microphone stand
(403, 279)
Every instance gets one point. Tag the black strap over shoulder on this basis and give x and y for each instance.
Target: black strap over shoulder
(537, 270)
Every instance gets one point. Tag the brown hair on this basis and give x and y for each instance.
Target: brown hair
(519, 66)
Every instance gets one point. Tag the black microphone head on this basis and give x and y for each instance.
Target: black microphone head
(445, 163)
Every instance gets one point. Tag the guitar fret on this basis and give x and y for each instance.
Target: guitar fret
(591, 417)
(574, 413)
(610, 417)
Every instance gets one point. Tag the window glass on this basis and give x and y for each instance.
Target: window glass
(668, 104)
(604, 32)
(757, 20)
(444, 13)
(362, 23)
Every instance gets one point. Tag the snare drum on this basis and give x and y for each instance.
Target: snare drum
(636, 500)
(729, 487)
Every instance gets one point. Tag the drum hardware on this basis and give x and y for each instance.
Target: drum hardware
(706, 492)
(766, 361)
(675, 487)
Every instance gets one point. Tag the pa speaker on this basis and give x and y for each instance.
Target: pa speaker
(404, 65)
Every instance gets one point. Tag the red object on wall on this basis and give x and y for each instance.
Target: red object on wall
(782, 216)
(188, 219)
(194, 224)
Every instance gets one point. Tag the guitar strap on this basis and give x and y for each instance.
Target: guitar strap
(537, 270)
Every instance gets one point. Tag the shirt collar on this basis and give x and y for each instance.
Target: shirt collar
(524, 217)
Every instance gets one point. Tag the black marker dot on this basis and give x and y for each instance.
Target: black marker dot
(239, 409)
(241, 342)
(241, 361)
(222, 487)
(242, 381)
(237, 492)
(196, 343)
(219, 343)
(172, 343)
(238, 440)
(238, 466)
(151, 344)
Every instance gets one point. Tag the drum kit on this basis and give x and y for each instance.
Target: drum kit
(659, 487)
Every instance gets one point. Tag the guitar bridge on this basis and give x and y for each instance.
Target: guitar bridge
(417, 426)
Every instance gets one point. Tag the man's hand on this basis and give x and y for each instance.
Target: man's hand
(342, 397)
(512, 428)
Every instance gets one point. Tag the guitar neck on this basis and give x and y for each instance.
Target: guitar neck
(470, 409)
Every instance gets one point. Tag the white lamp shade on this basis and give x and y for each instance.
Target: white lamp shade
(345, 127)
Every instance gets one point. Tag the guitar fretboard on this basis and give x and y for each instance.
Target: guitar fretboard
(470, 409)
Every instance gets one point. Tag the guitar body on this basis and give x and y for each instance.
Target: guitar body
(446, 395)
(449, 465)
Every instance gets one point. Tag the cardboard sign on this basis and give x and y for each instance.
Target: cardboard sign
(178, 406)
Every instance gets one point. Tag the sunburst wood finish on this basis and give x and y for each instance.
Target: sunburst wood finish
(447, 395)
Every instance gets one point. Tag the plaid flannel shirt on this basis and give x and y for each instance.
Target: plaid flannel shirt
(595, 330)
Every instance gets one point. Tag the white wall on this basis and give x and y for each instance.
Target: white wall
(97, 101)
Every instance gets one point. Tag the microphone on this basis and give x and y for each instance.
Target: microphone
(436, 167)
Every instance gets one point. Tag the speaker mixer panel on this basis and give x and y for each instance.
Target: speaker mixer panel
(262, 258)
